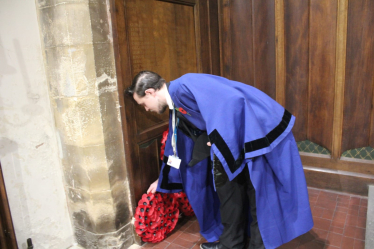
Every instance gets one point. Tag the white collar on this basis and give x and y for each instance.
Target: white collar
(168, 99)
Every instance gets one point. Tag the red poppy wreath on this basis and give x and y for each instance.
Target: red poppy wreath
(157, 214)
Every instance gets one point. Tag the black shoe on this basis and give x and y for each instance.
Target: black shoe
(212, 245)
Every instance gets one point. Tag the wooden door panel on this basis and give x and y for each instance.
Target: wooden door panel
(297, 64)
(322, 71)
(161, 39)
(264, 46)
(248, 43)
(149, 157)
(358, 98)
(172, 38)
(237, 41)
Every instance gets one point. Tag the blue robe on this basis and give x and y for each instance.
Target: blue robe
(247, 128)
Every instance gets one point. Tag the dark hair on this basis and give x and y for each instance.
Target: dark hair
(143, 81)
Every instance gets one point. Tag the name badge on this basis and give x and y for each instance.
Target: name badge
(174, 161)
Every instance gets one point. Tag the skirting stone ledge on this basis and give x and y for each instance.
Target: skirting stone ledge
(121, 239)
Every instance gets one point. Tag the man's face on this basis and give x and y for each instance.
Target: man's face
(151, 101)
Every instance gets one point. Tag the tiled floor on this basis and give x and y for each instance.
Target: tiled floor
(339, 222)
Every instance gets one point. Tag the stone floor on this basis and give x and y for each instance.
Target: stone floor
(339, 222)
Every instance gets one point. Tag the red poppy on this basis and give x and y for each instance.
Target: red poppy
(184, 204)
(157, 196)
(163, 142)
(141, 231)
(140, 224)
(183, 111)
(140, 212)
(155, 216)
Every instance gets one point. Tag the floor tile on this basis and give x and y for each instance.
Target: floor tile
(351, 220)
(318, 212)
(328, 195)
(331, 247)
(172, 236)
(189, 237)
(339, 223)
(348, 243)
(321, 234)
(185, 243)
(174, 246)
(349, 231)
(360, 233)
(338, 230)
(312, 245)
(334, 239)
(161, 245)
(341, 209)
(364, 202)
(361, 222)
(290, 245)
(322, 224)
(355, 201)
(328, 214)
(359, 244)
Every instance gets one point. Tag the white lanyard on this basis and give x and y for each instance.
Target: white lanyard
(174, 137)
(173, 160)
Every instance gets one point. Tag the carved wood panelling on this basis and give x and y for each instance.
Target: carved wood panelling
(297, 63)
(359, 76)
(248, 43)
(323, 54)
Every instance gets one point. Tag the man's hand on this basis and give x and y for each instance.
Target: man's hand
(153, 187)
(209, 144)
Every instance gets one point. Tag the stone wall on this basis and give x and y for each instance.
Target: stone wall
(29, 152)
(80, 68)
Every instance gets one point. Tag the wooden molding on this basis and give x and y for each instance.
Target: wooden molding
(280, 53)
(341, 41)
(349, 175)
(225, 38)
(185, 2)
(350, 165)
(342, 181)
(152, 132)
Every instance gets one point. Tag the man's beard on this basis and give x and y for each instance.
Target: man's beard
(162, 107)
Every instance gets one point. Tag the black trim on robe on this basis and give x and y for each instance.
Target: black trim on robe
(165, 176)
(215, 138)
(251, 146)
(271, 136)
(200, 149)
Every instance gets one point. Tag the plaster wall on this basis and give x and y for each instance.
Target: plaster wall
(29, 151)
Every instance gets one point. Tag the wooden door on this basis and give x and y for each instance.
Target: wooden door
(7, 235)
(168, 37)
(316, 58)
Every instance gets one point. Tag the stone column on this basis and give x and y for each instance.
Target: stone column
(80, 68)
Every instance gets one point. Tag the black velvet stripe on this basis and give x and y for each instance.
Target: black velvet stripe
(165, 176)
(254, 145)
(271, 136)
(233, 164)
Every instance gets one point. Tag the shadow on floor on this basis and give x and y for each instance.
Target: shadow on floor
(310, 240)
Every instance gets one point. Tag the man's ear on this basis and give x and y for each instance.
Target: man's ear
(150, 91)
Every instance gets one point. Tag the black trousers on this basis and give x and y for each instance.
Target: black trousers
(235, 197)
